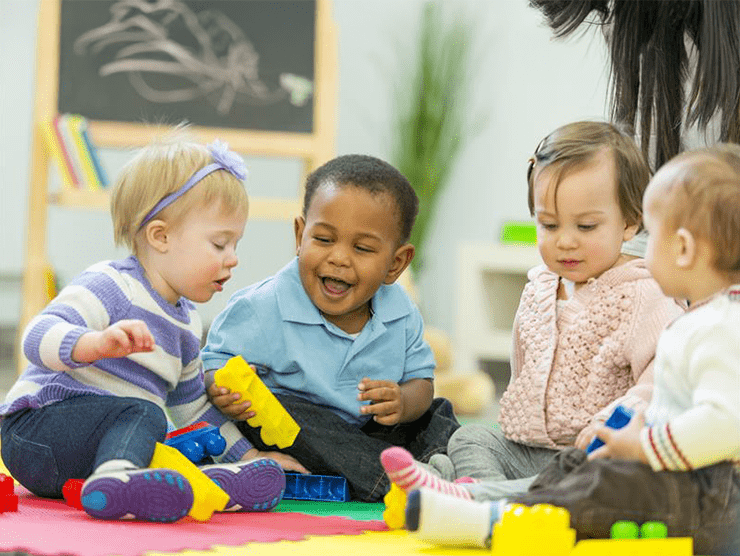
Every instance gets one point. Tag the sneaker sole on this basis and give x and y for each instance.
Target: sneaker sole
(153, 495)
(256, 486)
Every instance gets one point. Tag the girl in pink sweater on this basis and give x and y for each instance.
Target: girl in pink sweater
(586, 328)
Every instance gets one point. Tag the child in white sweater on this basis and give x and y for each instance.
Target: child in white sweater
(679, 462)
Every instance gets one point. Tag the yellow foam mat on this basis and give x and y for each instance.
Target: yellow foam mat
(371, 543)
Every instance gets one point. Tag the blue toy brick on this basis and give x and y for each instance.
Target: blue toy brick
(196, 444)
(319, 488)
(618, 419)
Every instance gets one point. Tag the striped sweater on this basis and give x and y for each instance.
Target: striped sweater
(170, 376)
(693, 419)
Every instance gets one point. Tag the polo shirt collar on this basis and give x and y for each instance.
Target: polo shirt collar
(389, 302)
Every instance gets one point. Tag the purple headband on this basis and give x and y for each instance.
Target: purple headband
(223, 159)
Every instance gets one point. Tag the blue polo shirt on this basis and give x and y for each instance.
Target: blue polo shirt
(274, 325)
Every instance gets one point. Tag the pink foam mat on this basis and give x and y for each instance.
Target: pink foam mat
(50, 527)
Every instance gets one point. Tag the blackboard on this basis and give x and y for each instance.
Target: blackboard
(242, 64)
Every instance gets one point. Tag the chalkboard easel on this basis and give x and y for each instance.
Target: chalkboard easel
(276, 129)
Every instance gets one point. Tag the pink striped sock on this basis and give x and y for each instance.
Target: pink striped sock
(403, 471)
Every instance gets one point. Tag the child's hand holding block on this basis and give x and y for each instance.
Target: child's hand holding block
(278, 428)
(618, 419)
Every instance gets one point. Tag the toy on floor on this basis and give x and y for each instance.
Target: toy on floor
(278, 428)
(71, 493)
(618, 419)
(197, 441)
(319, 488)
(394, 514)
(8, 498)
(208, 497)
(627, 538)
(541, 529)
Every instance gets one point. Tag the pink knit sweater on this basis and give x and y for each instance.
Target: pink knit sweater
(572, 365)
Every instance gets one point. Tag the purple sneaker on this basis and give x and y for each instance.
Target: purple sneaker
(148, 494)
(253, 486)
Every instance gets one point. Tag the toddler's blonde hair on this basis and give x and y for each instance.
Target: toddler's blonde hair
(575, 145)
(703, 196)
(161, 168)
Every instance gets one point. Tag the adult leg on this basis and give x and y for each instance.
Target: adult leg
(483, 452)
(45, 447)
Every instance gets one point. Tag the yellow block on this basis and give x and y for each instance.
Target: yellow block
(278, 427)
(542, 529)
(208, 497)
(672, 546)
(394, 514)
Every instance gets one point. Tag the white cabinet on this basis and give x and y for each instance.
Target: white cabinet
(491, 277)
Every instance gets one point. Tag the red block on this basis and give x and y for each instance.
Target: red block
(190, 428)
(8, 500)
(71, 492)
(6, 485)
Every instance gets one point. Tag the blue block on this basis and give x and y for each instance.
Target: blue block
(199, 443)
(319, 488)
(618, 419)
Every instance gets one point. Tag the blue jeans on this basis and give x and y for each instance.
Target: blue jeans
(329, 445)
(703, 503)
(44, 447)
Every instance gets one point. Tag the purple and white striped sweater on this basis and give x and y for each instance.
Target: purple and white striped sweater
(171, 376)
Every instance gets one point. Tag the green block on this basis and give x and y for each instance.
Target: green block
(519, 232)
(653, 530)
(625, 530)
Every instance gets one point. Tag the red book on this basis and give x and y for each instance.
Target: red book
(65, 151)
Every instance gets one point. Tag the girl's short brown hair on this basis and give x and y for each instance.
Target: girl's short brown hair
(575, 145)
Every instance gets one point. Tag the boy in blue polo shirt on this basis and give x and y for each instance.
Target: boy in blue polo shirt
(334, 337)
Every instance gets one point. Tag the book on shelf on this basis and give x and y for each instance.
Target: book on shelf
(80, 152)
(65, 135)
(69, 143)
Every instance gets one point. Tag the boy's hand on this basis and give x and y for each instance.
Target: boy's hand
(288, 463)
(228, 403)
(386, 401)
(118, 340)
(622, 443)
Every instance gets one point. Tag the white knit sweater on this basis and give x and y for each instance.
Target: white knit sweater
(572, 366)
(694, 417)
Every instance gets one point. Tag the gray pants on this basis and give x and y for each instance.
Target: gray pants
(482, 452)
(703, 503)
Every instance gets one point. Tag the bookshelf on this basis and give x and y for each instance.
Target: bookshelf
(490, 281)
(313, 148)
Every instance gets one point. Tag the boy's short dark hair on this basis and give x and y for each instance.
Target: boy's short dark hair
(373, 175)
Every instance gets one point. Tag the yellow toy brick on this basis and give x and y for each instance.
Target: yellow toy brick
(675, 546)
(394, 514)
(208, 497)
(278, 428)
(542, 529)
